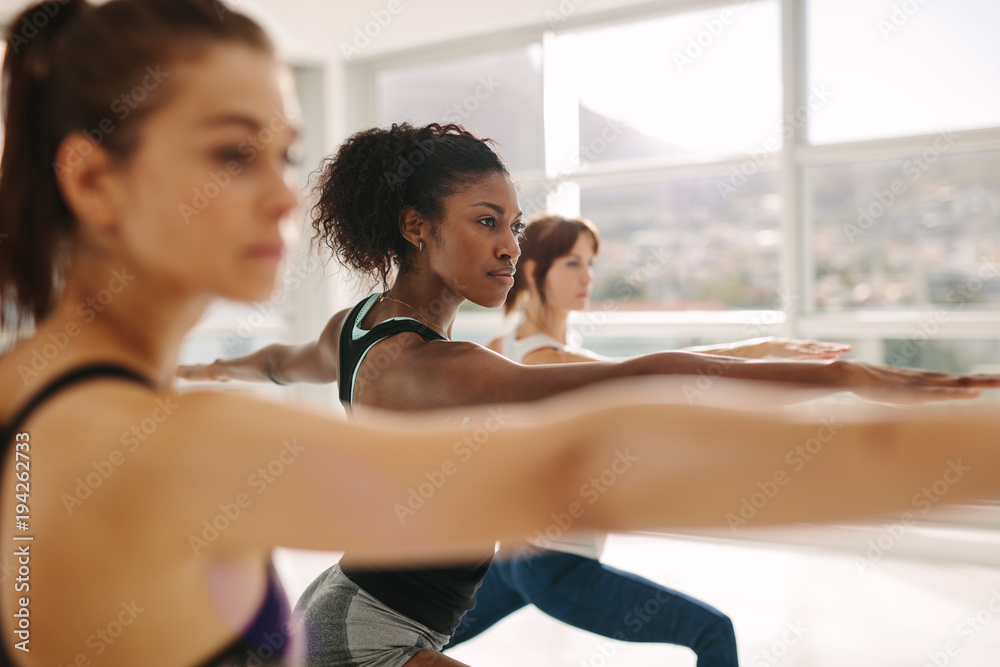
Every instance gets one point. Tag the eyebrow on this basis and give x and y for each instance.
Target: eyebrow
(500, 210)
(250, 123)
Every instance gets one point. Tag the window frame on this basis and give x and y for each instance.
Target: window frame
(799, 318)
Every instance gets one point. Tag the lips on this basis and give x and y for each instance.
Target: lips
(267, 250)
(504, 275)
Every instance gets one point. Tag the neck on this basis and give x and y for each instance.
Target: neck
(120, 315)
(432, 302)
(548, 321)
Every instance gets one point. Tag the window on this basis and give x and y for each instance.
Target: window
(230, 328)
(496, 95)
(814, 168)
(678, 245)
(698, 84)
(917, 232)
(902, 68)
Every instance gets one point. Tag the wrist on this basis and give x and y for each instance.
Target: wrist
(838, 372)
(215, 370)
(739, 351)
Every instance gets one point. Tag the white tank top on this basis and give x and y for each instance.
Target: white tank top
(516, 349)
(586, 544)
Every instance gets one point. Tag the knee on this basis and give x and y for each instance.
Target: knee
(724, 627)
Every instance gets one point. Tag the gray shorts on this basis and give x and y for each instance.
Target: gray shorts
(344, 626)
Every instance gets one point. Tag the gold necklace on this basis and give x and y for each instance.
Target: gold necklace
(385, 297)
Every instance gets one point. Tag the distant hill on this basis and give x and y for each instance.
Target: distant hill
(630, 145)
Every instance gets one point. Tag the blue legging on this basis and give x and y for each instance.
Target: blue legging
(591, 596)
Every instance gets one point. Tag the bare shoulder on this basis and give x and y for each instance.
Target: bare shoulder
(19, 379)
(496, 344)
(405, 372)
(119, 477)
(336, 323)
(329, 338)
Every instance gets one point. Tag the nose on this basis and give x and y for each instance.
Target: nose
(283, 193)
(509, 248)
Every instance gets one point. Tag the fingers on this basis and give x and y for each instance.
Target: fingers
(814, 354)
(811, 349)
(982, 380)
(904, 396)
(979, 381)
(916, 376)
(194, 373)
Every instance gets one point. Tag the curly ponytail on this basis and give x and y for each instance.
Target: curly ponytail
(72, 67)
(378, 172)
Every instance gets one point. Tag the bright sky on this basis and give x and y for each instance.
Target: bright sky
(711, 80)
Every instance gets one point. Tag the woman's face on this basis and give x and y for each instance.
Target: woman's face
(475, 247)
(571, 277)
(202, 197)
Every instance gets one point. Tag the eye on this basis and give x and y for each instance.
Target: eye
(229, 154)
(518, 229)
(294, 155)
(488, 222)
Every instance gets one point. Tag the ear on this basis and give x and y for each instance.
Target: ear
(528, 266)
(413, 227)
(84, 170)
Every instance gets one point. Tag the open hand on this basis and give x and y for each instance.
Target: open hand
(200, 373)
(909, 386)
(786, 348)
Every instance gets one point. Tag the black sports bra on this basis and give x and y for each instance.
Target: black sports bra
(266, 640)
(437, 597)
(355, 342)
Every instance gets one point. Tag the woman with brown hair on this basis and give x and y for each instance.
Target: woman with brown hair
(434, 209)
(562, 574)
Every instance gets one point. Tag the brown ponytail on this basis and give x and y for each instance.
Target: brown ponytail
(75, 67)
(546, 239)
(34, 221)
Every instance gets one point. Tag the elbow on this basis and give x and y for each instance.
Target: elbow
(270, 368)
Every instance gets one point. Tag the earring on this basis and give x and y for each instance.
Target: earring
(421, 247)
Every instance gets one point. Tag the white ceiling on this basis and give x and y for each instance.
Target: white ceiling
(317, 27)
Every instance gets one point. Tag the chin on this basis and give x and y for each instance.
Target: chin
(252, 291)
(488, 300)
(489, 303)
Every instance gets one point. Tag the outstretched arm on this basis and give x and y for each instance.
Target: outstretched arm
(753, 348)
(316, 361)
(443, 374)
(769, 346)
(405, 490)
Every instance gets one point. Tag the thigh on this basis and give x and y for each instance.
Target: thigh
(592, 596)
(344, 626)
(433, 659)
